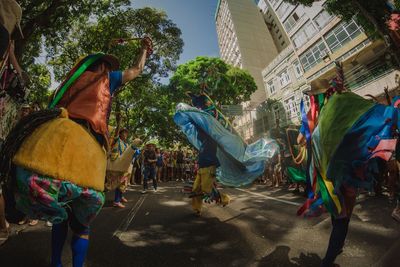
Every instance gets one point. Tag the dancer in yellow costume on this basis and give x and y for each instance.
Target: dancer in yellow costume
(61, 165)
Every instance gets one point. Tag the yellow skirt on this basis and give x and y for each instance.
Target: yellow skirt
(65, 150)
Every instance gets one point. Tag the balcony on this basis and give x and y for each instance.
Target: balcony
(277, 60)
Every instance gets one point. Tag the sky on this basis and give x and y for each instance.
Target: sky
(196, 20)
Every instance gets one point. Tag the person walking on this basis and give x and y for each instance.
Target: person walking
(119, 146)
(159, 165)
(149, 162)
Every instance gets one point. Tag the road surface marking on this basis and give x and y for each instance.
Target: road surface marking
(131, 215)
(270, 198)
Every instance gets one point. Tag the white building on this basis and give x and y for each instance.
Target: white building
(315, 40)
(245, 42)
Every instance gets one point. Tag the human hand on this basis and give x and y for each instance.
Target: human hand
(147, 44)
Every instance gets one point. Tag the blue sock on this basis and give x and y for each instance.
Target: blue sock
(58, 235)
(79, 248)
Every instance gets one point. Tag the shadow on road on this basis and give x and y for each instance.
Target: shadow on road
(280, 257)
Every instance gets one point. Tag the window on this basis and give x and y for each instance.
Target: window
(291, 107)
(283, 43)
(342, 34)
(313, 55)
(273, 2)
(291, 22)
(271, 87)
(283, 9)
(322, 19)
(297, 69)
(276, 112)
(284, 78)
(304, 34)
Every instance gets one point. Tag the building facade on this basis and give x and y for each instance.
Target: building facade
(245, 42)
(316, 40)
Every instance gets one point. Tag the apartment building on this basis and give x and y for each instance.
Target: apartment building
(317, 39)
(245, 42)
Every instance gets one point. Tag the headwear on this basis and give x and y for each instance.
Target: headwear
(10, 15)
(123, 130)
(26, 106)
(137, 142)
(151, 143)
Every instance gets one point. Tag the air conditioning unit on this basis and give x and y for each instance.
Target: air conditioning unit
(325, 56)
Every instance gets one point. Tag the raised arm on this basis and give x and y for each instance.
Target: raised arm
(14, 60)
(131, 73)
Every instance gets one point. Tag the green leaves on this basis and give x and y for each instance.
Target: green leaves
(70, 29)
(224, 83)
(40, 81)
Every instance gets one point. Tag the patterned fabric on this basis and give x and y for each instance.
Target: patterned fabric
(118, 148)
(48, 199)
(8, 115)
(350, 132)
(205, 189)
(114, 180)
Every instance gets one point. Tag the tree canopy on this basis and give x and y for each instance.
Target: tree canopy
(63, 31)
(224, 83)
(58, 33)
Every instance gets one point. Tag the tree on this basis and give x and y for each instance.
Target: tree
(372, 15)
(143, 103)
(67, 30)
(148, 113)
(39, 84)
(224, 83)
(129, 24)
(51, 20)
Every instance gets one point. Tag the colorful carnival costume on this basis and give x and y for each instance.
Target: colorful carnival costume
(119, 168)
(344, 134)
(61, 166)
(60, 154)
(222, 152)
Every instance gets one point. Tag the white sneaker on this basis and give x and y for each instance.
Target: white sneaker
(144, 192)
(155, 189)
(49, 224)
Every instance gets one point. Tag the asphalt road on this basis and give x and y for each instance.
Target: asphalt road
(259, 228)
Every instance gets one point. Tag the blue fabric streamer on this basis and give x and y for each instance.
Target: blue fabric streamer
(304, 122)
(240, 164)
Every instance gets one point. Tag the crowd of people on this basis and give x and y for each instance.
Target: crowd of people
(277, 174)
(69, 193)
